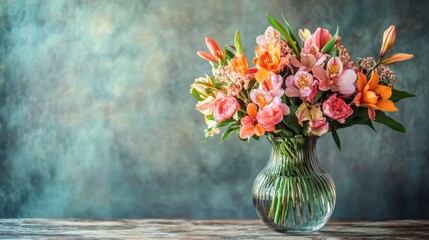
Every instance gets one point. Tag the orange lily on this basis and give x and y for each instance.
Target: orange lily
(373, 95)
(397, 57)
(388, 40)
(239, 64)
(216, 52)
(268, 60)
(249, 124)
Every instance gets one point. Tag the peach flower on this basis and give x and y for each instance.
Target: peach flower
(224, 107)
(336, 108)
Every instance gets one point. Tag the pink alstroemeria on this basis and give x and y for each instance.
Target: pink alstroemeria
(224, 107)
(206, 106)
(318, 127)
(268, 90)
(272, 114)
(271, 35)
(302, 85)
(335, 77)
(318, 40)
(336, 108)
(308, 60)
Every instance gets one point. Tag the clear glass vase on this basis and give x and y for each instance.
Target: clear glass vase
(292, 193)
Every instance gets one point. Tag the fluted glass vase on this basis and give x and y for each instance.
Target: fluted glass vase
(292, 193)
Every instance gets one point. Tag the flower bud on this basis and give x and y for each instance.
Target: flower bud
(304, 34)
(388, 40)
(397, 57)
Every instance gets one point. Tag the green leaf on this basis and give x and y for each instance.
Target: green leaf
(229, 54)
(224, 123)
(232, 129)
(291, 33)
(335, 52)
(237, 43)
(382, 118)
(399, 95)
(210, 117)
(291, 121)
(285, 33)
(329, 45)
(317, 97)
(336, 137)
(208, 90)
(196, 95)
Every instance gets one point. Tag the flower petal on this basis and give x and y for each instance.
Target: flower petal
(347, 78)
(259, 130)
(292, 92)
(252, 110)
(384, 92)
(386, 105)
(246, 131)
(373, 82)
(361, 81)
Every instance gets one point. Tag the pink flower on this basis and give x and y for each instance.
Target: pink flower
(308, 61)
(336, 108)
(224, 107)
(318, 40)
(268, 90)
(318, 127)
(302, 85)
(271, 36)
(272, 114)
(335, 78)
(206, 106)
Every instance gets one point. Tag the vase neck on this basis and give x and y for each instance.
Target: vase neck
(294, 155)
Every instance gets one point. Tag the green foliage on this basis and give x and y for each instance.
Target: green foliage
(382, 118)
(292, 44)
(237, 43)
(335, 136)
(330, 45)
(196, 95)
(399, 95)
(291, 120)
(230, 130)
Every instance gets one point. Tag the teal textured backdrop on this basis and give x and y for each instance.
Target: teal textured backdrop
(97, 121)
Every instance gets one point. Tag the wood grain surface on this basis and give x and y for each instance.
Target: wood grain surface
(203, 229)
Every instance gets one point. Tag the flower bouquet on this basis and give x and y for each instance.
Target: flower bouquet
(296, 91)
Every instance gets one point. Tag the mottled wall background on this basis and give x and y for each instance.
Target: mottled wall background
(96, 118)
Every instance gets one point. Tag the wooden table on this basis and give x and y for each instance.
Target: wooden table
(202, 229)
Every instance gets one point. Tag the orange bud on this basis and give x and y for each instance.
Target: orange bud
(397, 57)
(388, 40)
(207, 56)
(214, 48)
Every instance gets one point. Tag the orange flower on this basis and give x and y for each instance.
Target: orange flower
(373, 95)
(249, 124)
(268, 60)
(239, 64)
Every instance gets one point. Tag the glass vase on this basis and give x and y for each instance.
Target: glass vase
(292, 193)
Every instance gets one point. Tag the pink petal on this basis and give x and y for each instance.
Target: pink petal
(292, 92)
(305, 92)
(348, 89)
(347, 78)
(320, 73)
(290, 81)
